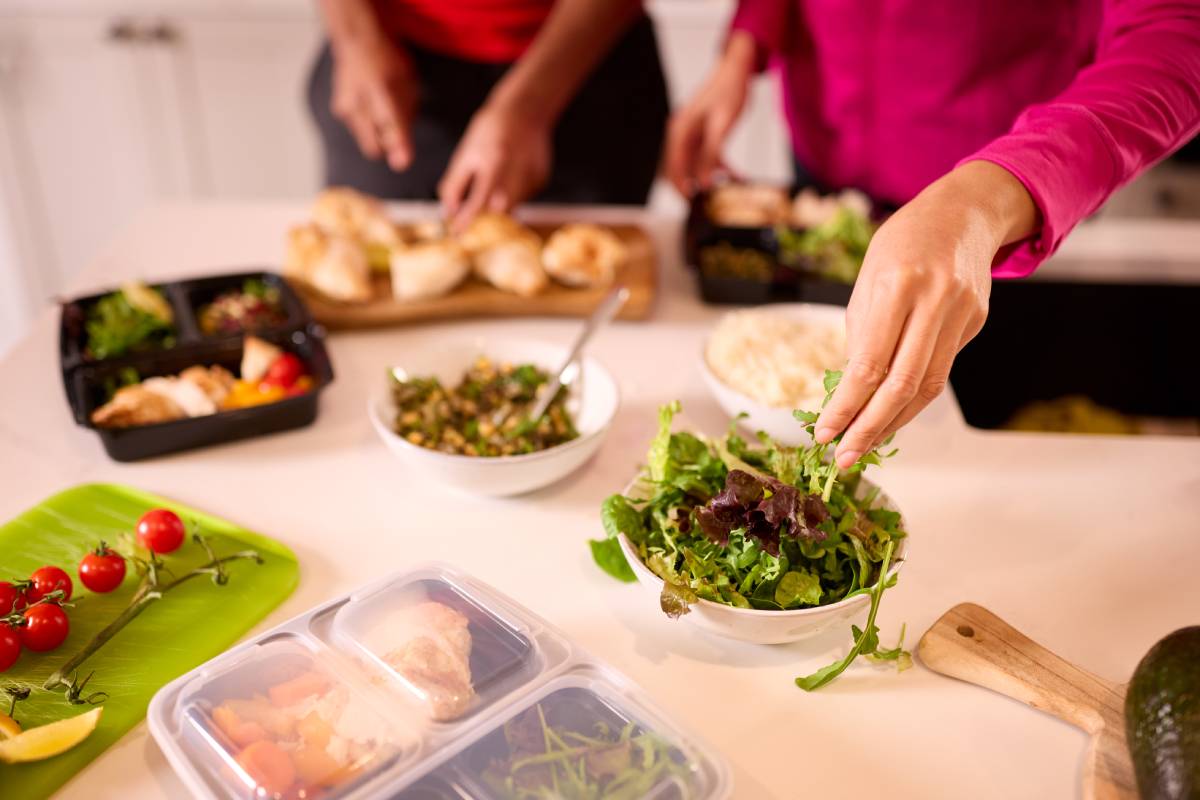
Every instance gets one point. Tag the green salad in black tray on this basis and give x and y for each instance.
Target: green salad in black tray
(135, 317)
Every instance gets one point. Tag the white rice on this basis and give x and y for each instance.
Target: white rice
(774, 358)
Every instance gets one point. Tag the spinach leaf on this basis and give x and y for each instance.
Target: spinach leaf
(617, 516)
(609, 557)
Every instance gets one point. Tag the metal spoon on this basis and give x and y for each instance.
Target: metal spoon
(603, 315)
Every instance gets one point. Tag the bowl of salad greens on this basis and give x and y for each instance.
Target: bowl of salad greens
(756, 540)
(459, 414)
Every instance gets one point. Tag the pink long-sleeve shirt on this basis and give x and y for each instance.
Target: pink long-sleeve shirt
(1073, 97)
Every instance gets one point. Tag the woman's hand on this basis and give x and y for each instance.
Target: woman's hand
(502, 159)
(921, 296)
(697, 133)
(375, 95)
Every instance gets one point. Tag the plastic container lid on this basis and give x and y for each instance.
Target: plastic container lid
(280, 722)
(436, 643)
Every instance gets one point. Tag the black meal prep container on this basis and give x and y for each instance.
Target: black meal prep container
(766, 280)
(87, 380)
(1125, 346)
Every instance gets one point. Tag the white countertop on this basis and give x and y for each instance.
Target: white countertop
(1087, 544)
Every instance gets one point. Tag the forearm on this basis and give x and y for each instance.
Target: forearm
(575, 37)
(1000, 203)
(350, 22)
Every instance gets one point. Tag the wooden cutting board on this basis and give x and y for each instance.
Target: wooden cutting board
(177, 633)
(475, 298)
(974, 645)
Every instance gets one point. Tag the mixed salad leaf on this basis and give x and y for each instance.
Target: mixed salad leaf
(134, 317)
(756, 525)
(836, 248)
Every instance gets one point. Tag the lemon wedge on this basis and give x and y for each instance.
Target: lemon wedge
(143, 298)
(49, 740)
(9, 727)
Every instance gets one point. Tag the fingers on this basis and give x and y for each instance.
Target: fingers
(482, 182)
(868, 361)
(709, 163)
(453, 186)
(683, 146)
(357, 119)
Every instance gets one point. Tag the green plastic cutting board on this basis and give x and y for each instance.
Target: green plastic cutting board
(188, 626)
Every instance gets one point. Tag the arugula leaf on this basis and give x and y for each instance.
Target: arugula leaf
(609, 557)
(618, 516)
(827, 673)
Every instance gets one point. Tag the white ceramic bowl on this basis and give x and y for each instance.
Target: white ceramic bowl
(778, 422)
(761, 626)
(593, 399)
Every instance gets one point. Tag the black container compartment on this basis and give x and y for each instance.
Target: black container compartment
(87, 390)
(776, 283)
(72, 332)
(1125, 346)
(199, 292)
(572, 708)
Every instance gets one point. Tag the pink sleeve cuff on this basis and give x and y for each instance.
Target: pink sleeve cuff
(1063, 156)
(766, 21)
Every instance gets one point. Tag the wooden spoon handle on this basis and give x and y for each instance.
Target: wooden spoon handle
(974, 645)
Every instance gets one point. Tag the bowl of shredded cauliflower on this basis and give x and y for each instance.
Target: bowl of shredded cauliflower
(766, 361)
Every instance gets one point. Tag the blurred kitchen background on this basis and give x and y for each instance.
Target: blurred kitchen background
(109, 107)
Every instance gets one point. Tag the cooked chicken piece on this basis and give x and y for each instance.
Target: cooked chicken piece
(425, 230)
(196, 392)
(346, 212)
(513, 265)
(435, 657)
(257, 357)
(583, 255)
(333, 264)
(136, 405)
(428, 269)
(216, 382)
(742, 205)
(491, 228)
(810, 209)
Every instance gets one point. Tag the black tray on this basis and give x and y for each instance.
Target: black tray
(1118, 344)
(86, 380)
(776, 282)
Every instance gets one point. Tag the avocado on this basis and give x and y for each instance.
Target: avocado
(1162, 718)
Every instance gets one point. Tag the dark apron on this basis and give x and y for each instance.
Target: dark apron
(606, 145)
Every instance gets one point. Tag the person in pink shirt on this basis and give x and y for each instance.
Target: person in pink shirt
(995, 126)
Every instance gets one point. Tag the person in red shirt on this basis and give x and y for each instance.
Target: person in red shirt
(995, 126)
(486, 103)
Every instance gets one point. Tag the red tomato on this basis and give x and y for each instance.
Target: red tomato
(10, 599)
(102, 570)
(46, 627)
(284, 371)
(47, 580)
(160, 531)
(10, 646)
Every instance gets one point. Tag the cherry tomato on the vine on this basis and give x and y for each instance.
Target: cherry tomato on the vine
(102, 570)
(11, 598)
(160, 530)
(10, 646)
(45, 628)
(47, 580)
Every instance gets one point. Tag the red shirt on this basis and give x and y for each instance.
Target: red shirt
(491, 31)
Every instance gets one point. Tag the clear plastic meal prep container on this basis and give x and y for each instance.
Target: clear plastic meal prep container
(427, 685)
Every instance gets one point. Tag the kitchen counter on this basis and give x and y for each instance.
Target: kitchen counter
(1087, 544)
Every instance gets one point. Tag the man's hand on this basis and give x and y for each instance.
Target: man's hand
(502, 160)
(921, 296)
(697, 133)
(375, 95)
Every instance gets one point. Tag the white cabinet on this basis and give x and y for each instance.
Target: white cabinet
(102, 114)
